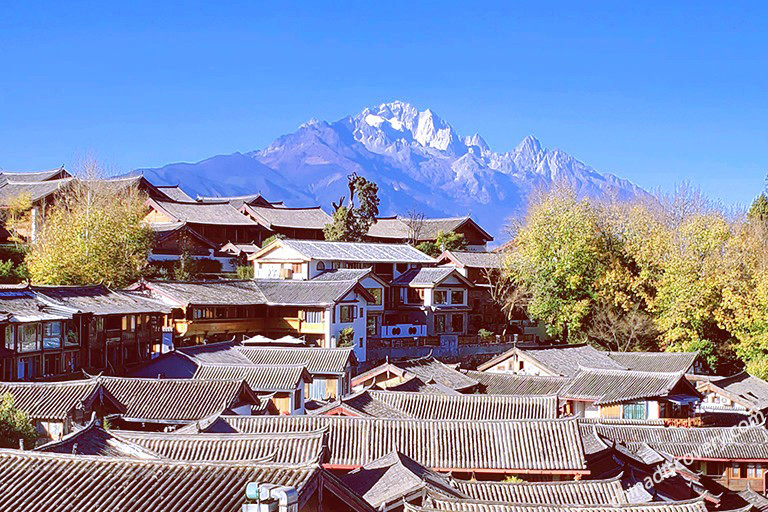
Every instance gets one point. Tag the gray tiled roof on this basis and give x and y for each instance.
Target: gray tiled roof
(218, 214)
(511, 384)
(343, 274)
(428, 369)
(33, 176)
(284, 448)
(415, 384)
(436, 503)
(393, 478)
(743, 388)
(260, 378)
(423, 277)
(613, 386)
(565, 360)
(94, 440)
(106, 484)
(35, 190)
(400, 227)
(291, 292)
(580, 492)
(23, 305)
(319, 361)
(535, 445)
(176, 400)
(100, 300)
(174, 193)
(304, 218)
(58, 400)
(238, 201)
(655, 361)
(470, 259)
(723, 442)
(358, 251)
(430, 406)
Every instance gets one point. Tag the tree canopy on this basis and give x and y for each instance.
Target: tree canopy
(351, 223)
(669, 272)
(93, 233)
(14, 425)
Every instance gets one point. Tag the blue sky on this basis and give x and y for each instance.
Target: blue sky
(656, 92)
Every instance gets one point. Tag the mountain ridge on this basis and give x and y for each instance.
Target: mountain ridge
(419, 161)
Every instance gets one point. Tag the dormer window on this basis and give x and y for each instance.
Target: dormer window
(320, 266)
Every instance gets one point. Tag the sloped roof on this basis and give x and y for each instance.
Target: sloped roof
(579, 492)
(35, 175)
(217, 214)
(260, 378)
(348, 274)
(238, 201)
(100, 300)
(737, 443)
(330, 361)
(655, 361)
(176, 400)
(532, 445)
(284, 448)
(471, 259)
(415, 384)
(237, 249)
(748, 391)
(400, 227)
(95, 440)
(174, 193)
(294, 292)
(612, 386)
(35, 190)
(428, 369)
(440, 503)
(303, 218)
(57, 400)
(164, 230)
(21, 304)
(393, 478)
(492, 383)
(565, 360)
(450, 407)
(351, 251)
(427, 277)
(106, 484)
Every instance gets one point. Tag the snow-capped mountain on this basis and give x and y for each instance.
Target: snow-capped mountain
(418, 160)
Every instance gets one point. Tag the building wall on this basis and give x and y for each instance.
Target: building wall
(357, 323)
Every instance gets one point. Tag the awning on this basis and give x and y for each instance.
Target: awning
(683, 399)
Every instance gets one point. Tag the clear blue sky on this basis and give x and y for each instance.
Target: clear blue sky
(657, 92)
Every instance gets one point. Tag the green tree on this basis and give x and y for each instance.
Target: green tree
(93, 233)
(351, 223)
(759, 209)
(270, 239)
(15, 425)
(450, 241)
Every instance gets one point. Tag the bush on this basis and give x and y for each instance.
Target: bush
(485, 334)
(245, 272)
(15, 425)
(346, 337)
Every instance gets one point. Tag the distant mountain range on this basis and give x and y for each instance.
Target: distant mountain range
(418, 160)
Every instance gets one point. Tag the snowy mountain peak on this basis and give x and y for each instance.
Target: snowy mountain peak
(417, 159)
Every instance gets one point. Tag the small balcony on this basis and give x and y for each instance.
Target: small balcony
(403, 330)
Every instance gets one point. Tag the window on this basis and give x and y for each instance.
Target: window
(635, 411)
(51, 336)
(415, 296)
(439, 323)
(361, 344)
(320, 266)
(129, 323)
(372, 325)
(361, 314)
(753, 470)
(376, 292)
(401, 267)
(29, 337)
(9, 339)
(347, 314)
(297, 400)
(457, 297)
(457, 323)
(441, 297)
(313, 317)
(335, 265)
(52, 364)
(296, 268)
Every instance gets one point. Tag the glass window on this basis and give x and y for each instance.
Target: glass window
(296, 268)
(347, 314)
(457, 323)
(320, 266)
(297, 399)
(9, 337)
(51, 336)
(29, 337)
(313, 317)
(457, 297)
(414, 296)
(439, 323)
(635, 411)
(372, 325)
(441, 297)
(376, 292)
